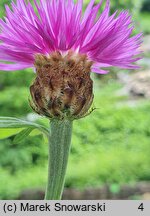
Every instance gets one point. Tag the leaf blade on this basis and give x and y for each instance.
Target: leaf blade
(10, 122)
(22, 134)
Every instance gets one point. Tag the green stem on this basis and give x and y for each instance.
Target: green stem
(59, 148)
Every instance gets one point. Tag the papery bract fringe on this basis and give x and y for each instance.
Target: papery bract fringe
(61, 25)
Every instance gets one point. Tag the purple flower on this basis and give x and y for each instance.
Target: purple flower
(59, 25)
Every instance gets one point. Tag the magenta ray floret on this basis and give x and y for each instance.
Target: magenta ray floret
(60, 25)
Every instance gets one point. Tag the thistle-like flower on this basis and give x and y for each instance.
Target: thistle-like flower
(64, 45)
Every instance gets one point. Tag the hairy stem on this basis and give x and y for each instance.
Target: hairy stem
(59, 148)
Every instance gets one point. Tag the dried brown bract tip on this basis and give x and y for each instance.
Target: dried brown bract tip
(63, 87)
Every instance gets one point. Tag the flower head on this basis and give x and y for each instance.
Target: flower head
(64, 46)
(59, 25)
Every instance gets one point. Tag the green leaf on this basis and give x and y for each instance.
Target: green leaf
(36, 132)
(7, 132)
(22, 135)
(9, 122)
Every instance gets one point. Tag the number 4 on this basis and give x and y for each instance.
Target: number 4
(141, 207)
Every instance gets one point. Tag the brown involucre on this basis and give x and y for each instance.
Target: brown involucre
(62, 87)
